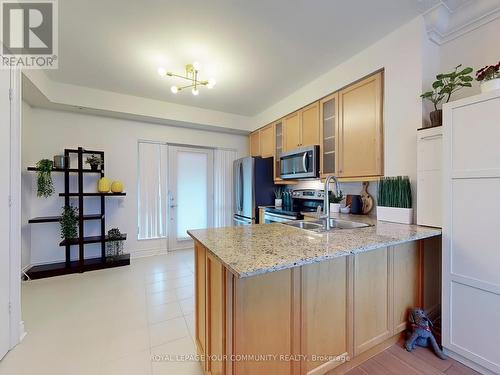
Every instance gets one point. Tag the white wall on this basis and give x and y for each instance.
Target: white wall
(47, 133)
(476, 49)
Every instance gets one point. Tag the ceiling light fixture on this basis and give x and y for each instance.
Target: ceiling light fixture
(191, 76)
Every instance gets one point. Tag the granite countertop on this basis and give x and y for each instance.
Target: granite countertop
(256, 249)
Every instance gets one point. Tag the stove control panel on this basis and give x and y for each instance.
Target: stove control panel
(308, 194)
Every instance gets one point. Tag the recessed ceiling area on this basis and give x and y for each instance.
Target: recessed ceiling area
(258, 51)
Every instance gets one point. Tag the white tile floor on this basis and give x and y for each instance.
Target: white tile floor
(109, 322)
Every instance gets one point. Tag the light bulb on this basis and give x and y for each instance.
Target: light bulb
(162, 72)
(195, 91)
(211, 83)
(174, 89)
(196, 65)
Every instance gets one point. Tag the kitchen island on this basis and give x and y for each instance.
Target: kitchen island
(274, 299)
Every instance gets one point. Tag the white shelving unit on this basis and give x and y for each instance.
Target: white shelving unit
(471, 227)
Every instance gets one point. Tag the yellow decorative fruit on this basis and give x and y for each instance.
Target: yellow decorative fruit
(104, 185)
(117, 187)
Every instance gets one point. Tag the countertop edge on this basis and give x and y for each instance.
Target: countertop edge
(303, 262)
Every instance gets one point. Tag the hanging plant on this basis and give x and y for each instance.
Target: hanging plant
(45, 187)
(69, 222)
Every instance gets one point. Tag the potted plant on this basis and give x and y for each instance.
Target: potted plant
(45, 187)
(394, 200)
(114, 248)
(489, 76)
(69, 222)
(335, 201)
(278, 195)
(94, 161)
(444, 87)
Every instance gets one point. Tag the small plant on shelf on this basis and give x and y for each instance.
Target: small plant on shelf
(95, 161)
(489, 77)
(114, 248)
(45, 186)
(444, 87)
(69, 222)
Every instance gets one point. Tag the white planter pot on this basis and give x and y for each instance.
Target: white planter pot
(490, 85)
(395, 215)
(278, 202)
(335, 208)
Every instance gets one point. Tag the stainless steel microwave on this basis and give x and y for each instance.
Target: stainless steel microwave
(300, 163)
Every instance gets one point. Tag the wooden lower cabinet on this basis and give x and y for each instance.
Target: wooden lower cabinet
(325, 322)
(372, 299)
(200, 255)
(304, 320)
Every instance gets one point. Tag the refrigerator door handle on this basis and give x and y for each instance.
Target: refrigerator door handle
(241, 187)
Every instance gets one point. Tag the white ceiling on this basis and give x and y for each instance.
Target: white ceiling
(259, 51)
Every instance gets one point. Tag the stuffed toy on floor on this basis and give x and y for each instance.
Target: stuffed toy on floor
(421, 333)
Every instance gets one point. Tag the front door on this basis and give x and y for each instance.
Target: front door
(190, 193)
(4, 212)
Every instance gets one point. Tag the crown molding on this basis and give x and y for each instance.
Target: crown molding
(450, 19)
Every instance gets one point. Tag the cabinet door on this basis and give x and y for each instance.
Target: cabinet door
(406, 282)
(360, 132)
(372, 299)
(309, 119)
(200, 301)
(255, 143)
(329, 134)
(267, 141)
(324, 306)
(291, 131)
(216, 333)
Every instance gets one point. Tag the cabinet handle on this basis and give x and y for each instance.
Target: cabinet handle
(431, 137)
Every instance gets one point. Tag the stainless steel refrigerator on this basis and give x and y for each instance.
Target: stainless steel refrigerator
(253, 187)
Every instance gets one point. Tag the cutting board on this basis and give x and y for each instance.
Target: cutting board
(366, 198)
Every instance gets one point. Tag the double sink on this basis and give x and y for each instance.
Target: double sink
(320, 224)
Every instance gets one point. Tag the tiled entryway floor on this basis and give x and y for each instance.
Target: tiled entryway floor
(109, 322)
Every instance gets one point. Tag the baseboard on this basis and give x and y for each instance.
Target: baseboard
(148, 252)
(468, 363)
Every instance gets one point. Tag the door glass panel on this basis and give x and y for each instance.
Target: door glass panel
(192, 192)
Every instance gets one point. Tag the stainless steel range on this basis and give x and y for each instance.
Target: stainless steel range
(304, 200)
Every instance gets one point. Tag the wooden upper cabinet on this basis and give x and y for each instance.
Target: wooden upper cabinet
(329, 121)
(301, 128)
(291, 131)
(360, 129)
(267, 140)
(309, 121)
(255, 143)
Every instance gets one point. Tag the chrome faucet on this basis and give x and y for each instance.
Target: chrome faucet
(326, 200)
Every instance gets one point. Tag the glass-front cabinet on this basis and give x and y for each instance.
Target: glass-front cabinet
(278, 133)
(329, 134)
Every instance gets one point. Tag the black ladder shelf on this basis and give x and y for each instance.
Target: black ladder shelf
(82, 264)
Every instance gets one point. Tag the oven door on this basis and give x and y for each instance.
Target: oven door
(271, 217)
(300, 163)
